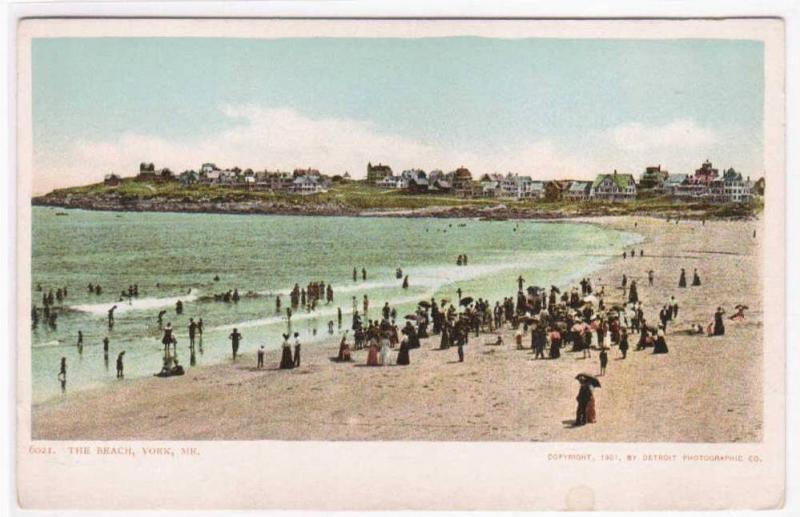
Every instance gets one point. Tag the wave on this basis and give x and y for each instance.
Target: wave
(135, 304)
(320, 313)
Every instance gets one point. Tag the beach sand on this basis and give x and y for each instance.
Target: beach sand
(705, 390)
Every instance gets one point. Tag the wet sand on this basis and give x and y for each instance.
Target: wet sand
(704, 390)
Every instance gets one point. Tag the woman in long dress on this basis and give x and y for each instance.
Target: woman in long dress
(719, 325)
(555, 344)
(372, 354)
(286, 354)
(402, 355)
(591, 411)
(696, 279)
(344, 350)
(660, 346)
(682, 280)
(445, 342)
(384, 350)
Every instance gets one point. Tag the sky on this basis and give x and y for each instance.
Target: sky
(548, 108)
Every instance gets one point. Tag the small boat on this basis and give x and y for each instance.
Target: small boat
(61, 213)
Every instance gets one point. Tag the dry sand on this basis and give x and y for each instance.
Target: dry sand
(704, 390)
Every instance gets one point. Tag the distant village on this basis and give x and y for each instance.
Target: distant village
(705, 184)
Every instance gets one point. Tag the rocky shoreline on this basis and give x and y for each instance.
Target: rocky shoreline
(116, 203)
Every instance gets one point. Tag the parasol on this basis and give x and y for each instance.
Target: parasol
(465, 301)
(581, 377)
(411, 317)
(590, 299)
(425, 304)
(556, 289)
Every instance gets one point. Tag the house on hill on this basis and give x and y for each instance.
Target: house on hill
(652, 179)
(147, 171)
(554, 190)
(579, 190)
(614, 187)
(308, 185)
(461, 181)
(416, 181)
(672, 185)
(491, 185)
(112, 180)
(375, 173)
(188, 178)
(736, 189)
(393, 182)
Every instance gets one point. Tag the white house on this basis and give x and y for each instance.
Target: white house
(735, 189)
(392, 182)
(307, 185)
(514, 185)
(492, 185)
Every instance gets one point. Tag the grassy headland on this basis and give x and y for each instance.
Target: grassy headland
(358, 198)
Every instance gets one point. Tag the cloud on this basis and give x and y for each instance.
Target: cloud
(679, 134)
(284, 139)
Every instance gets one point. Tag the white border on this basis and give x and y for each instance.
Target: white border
(788, 10)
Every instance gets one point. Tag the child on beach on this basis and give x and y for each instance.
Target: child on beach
(603, 360)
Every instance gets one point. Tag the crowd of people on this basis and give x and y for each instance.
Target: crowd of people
(547, 321)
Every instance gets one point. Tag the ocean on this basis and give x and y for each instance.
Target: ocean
(175, 257)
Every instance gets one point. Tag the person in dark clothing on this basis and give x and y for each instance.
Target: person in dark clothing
(260, 355)
(603, 360)
(286, 354)
(583, 398)
(120, 365)
(403, 358)
(719, 325)
(660, 346)
(633, 293)
(235, 338)
(62, 375)
(538, 341)
(192, 331)
(695, 279)
(682, 279)
(623, 342)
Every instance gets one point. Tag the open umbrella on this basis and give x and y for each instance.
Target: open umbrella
(466, 301)
(425, 304)
(411, 316)
(588, 378)
(740, 306)
(445, 300)
(556, 289)
(590, 299)
(617, 307)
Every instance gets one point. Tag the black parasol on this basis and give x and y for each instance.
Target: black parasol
(465, 301)
(581, 377)
(425, 304)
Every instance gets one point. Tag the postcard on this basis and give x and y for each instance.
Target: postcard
(400, 264)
